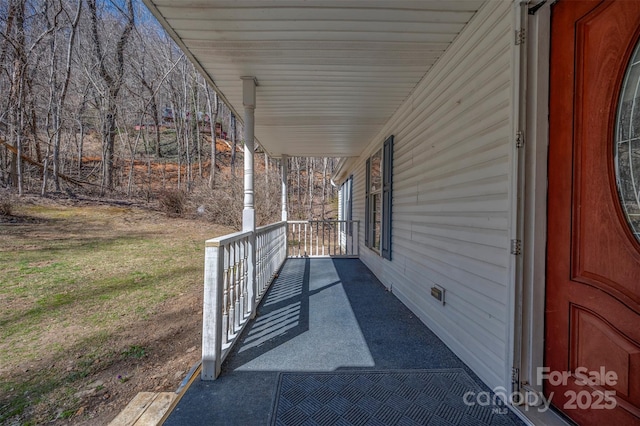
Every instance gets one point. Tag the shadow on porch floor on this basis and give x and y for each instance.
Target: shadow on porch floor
(322, 315)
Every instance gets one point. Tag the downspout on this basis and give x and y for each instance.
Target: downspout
(517, 205)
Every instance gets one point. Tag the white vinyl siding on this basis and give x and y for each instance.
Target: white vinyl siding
(451, 194)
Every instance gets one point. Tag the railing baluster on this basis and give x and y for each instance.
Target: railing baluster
(238, 305)
(332, 233)
(232, 291)
(352, 234)
(264, 241)
(328, 226)
(225, 297)
(258, 265)
(243, 287)
(328, 229)
(330, 247)
(263, 250)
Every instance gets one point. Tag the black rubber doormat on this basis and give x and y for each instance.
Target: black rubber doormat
(391, 397)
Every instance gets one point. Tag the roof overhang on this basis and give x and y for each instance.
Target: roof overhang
(331, 73)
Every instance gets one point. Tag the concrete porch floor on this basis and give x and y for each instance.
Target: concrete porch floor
(319, 315)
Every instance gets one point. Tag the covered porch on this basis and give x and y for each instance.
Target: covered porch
(346, 79)
(329, 320)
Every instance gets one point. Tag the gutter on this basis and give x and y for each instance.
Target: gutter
(341, 172)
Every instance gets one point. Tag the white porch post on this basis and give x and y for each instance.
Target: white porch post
(284, 160)
(212, 312)
(248, 212)
(249, 103)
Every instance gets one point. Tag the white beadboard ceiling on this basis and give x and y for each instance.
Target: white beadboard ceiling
(330, 73)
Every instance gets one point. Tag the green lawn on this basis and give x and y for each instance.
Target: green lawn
(73, 280)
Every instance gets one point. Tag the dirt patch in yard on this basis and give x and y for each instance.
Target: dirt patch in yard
(157, 355)
(98, 301)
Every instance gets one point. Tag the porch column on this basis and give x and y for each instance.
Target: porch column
(284, 161)
(249, 103)
(248, 212)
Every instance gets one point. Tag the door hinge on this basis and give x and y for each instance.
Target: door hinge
(520, 36)
(515, 375)
(519, 139)
(517, 397)
(516, 247)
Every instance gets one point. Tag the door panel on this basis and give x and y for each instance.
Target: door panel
(590, 333)
(593, 259)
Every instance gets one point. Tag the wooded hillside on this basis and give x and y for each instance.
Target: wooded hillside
(97, 99)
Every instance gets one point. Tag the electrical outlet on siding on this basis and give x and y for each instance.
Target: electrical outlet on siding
(437, 292)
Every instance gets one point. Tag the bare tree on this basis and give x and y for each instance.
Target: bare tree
(324, 186)
(149, 74)
(310, 180)
(18, 52)
(59, 93)
(112, 79)
(234, 146)
(213, 120)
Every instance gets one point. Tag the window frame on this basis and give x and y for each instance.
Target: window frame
(380, 244)
(346, 204)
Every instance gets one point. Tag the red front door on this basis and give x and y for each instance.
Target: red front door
(592, 341)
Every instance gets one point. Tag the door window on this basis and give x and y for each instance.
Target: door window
(627, 146)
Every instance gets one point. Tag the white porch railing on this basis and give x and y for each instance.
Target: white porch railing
(233, 288)
(318, 238)
(271, 252)
(240, 267)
